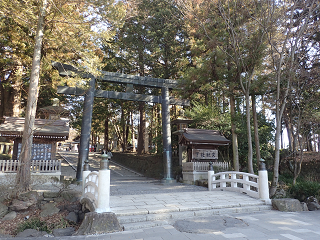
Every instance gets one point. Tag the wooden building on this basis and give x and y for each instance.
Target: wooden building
(202, 144)
(47, 132)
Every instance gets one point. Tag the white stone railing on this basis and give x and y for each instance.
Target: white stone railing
(97, 196)
(203, 166)
(90, 188)
(235, 181)
(253, 185)
(36, 166)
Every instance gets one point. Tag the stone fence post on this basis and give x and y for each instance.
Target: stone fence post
(85, 173)
(210, 174)
(104, 185)
(263, 183)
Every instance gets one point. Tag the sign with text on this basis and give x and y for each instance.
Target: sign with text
(204, 154)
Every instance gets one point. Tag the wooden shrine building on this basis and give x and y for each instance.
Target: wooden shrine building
(46, 134)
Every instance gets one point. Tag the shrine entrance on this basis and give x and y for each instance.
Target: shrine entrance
(129, 80)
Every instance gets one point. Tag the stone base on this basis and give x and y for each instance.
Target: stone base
(192, 177)
(36, 178)
(99, 223)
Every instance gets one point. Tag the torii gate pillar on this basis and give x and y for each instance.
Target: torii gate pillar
(166, 130)
(86, 127)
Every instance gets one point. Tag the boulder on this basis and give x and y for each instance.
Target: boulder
(31, 233)
(287, 205)
(71, 195)
(63, 232)
(312, 204)
(72, 217)
(51, 194)
(18, 205)
(48, 209)
(24, 201)
(99, 223)
(3, 210)
(9, 216)
(304, 206)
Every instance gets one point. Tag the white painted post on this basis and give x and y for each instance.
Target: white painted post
(104, 191)
(263, 183)
(104, 184)
(210, 176)
(86, 171)
(223, 183)
(84, 176)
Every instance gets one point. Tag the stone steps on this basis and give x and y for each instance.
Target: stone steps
(136, 220)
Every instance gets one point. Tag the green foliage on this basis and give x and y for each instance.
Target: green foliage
(304, 189)
(209, 117)
(33, 223)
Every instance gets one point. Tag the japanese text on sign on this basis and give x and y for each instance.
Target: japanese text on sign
(204, 154)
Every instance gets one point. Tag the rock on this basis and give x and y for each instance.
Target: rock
(99, 223)
(304, 206)
(30, 196)
(287, 205)
(51, 194)
(31, 233)
(313, 206)
(71, 195)
(9, 216)
(3, 210)
(18, 205)
(72, 217)
(49, 209)
(24, 201)
(63, 232)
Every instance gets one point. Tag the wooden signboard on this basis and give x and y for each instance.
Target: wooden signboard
(204, 154)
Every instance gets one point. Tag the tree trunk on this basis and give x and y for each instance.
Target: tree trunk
(234, 133)
(142, 128)
(250, 163)
(256, 128)
(106, 134)
(23, 175)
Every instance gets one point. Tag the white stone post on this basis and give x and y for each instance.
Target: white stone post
(104, 191)
(103, 204)
(210, 176)
(263, 183)
(85, 174)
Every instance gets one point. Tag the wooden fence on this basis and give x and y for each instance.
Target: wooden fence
(36, 166)
(203, 166)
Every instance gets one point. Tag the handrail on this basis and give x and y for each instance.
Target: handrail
(235, 181)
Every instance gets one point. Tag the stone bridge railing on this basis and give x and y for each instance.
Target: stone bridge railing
(251, 184)
(235, 181)
(96, 187)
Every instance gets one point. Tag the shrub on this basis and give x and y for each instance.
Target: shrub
(33, 223)
(302, 190)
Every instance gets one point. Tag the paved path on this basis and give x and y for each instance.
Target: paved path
(270, 225)
(147, 197)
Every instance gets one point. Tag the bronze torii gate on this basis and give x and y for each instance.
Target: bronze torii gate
(129, 80)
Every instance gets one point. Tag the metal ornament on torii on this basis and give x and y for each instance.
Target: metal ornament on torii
(130, 80)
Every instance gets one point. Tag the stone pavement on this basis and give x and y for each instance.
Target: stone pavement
(192, 212)
(267, 225)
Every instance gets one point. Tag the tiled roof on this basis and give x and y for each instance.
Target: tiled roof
(202, 136)
(43, 128)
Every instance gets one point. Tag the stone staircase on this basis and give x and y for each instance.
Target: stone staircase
(149, 212)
